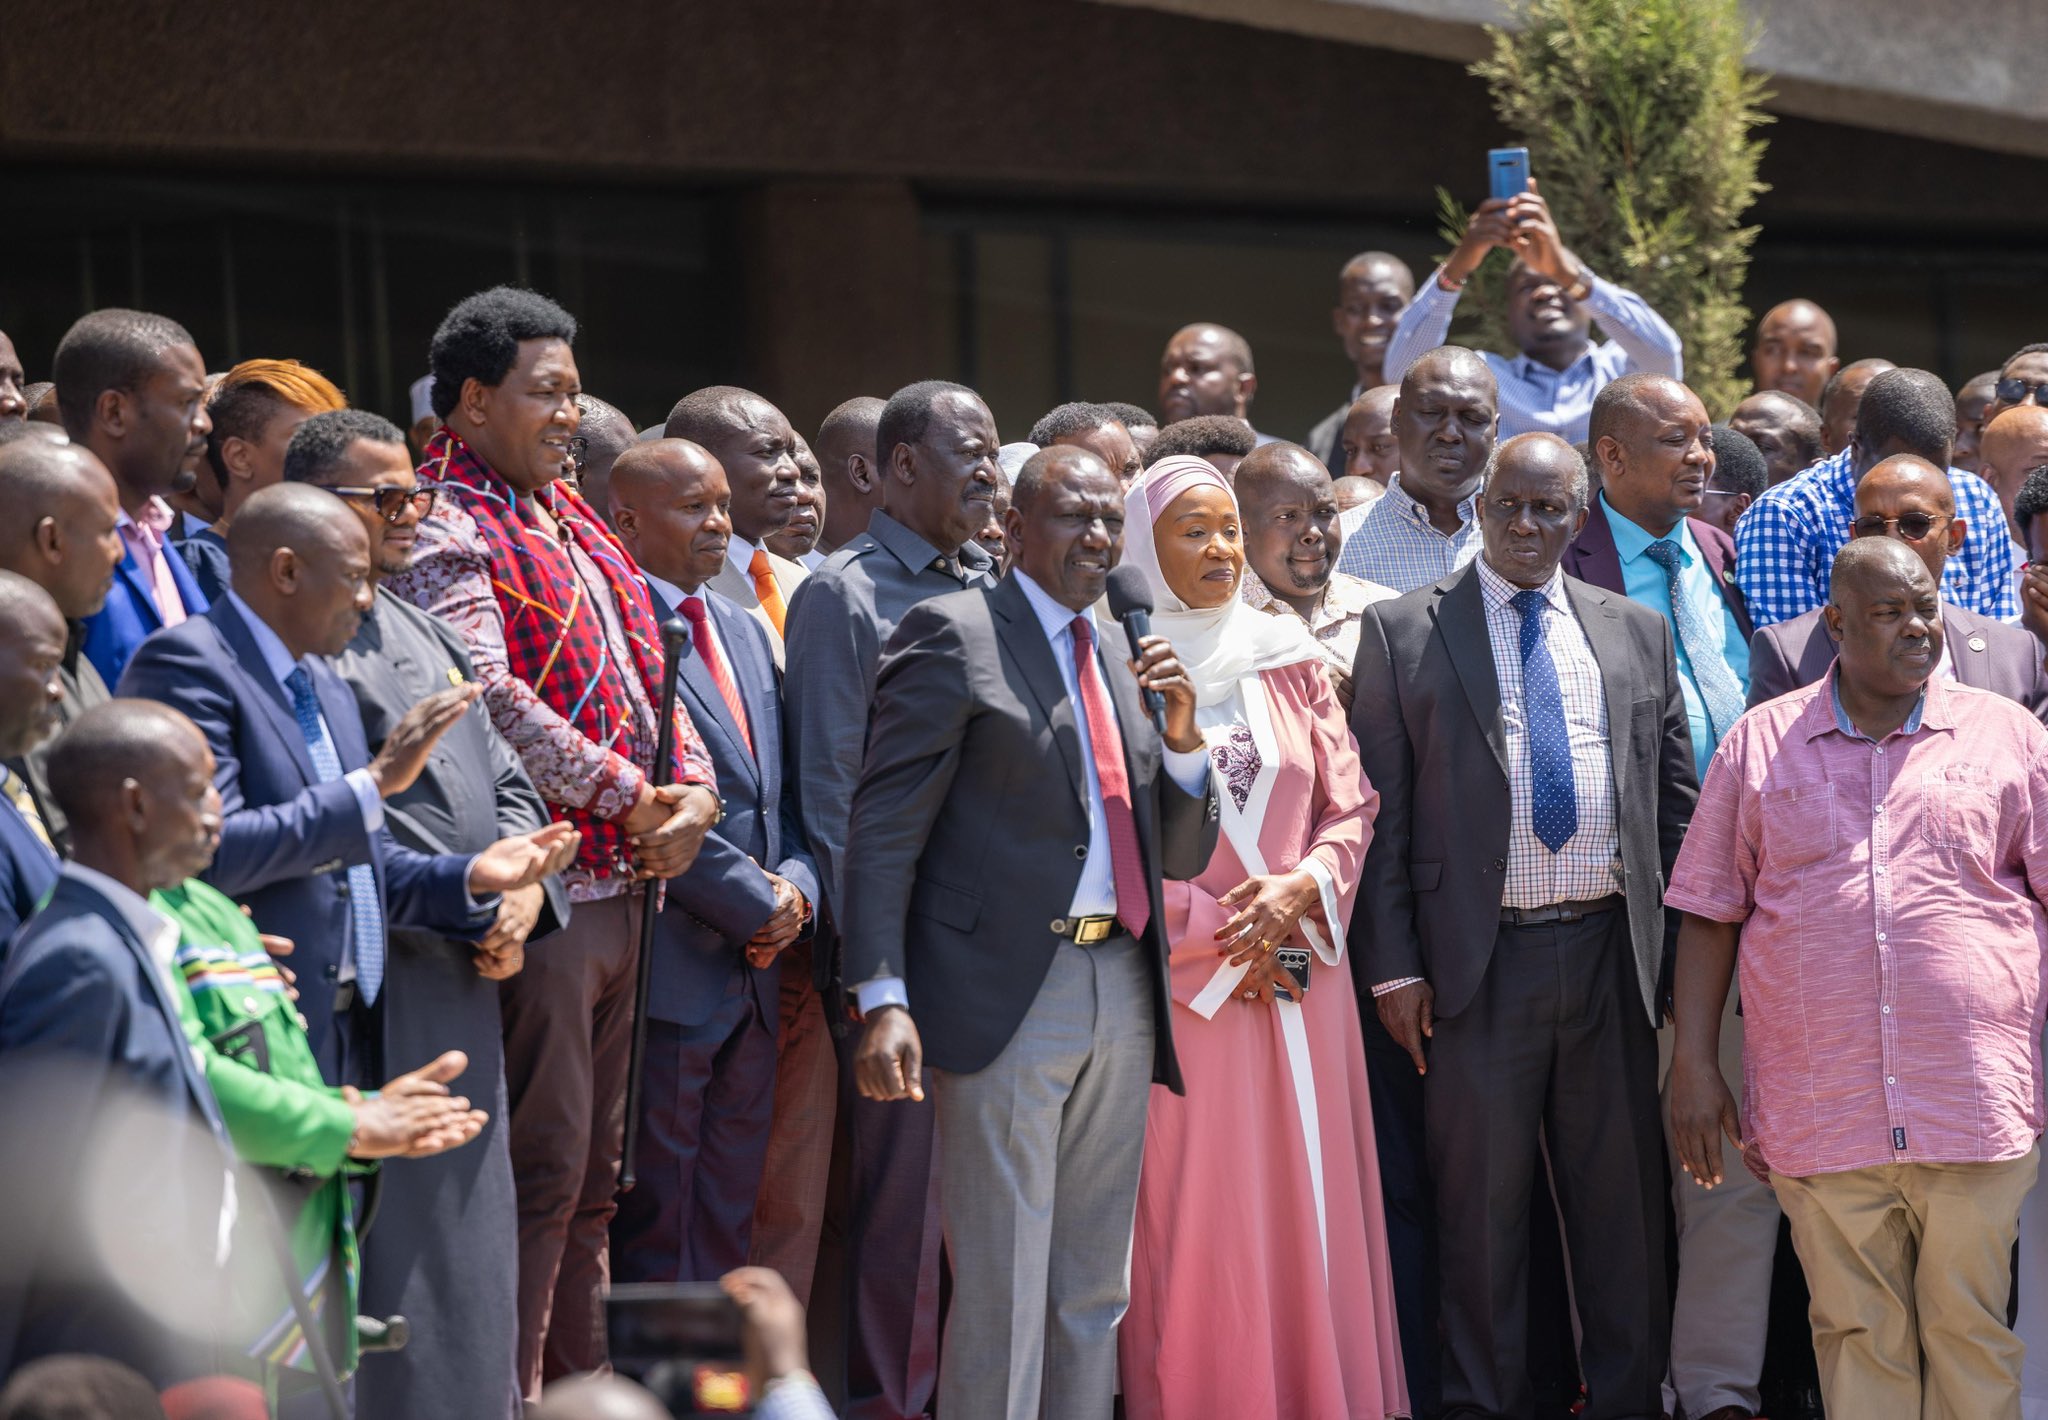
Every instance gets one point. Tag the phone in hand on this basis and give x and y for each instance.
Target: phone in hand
(1507, 171)
(684, 1341)
(1295, 962)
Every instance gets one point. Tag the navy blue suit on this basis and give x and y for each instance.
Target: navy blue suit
(712, 1018)
(286, 838)
(28, 870)
(205, 554)
(88, 1032)
(129, 617)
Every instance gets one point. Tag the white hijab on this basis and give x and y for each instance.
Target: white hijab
(1218, 646)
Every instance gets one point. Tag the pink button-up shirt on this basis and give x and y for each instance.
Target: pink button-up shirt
(1892, 930)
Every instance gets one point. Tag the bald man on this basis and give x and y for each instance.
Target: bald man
(714, 995)
(601, 436)
(13, 382)
(1840, 399)
(62, 535)
(1372, 290)
(1785, 430)
(755, 445)
(1794, 350)
(1206, 369)
(853, 485)
(304, 841)
(2015, 443)
(32, 643)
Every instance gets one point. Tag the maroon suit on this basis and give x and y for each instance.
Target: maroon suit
(1592, 558)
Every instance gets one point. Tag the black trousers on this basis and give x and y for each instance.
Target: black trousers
(1556, 1039)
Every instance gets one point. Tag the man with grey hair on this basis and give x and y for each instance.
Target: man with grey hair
(1527, 736)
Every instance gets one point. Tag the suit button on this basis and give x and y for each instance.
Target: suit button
(330, 972)
(1080, 850)
(1499, 864)
(1059, 926)
(341, 886)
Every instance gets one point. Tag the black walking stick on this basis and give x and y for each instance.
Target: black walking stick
(675, 634)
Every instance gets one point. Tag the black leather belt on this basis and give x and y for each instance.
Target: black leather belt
(1088, 931)
(1559, 911)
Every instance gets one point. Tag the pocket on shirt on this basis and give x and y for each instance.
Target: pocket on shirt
(1798, 823)
(1959, 809)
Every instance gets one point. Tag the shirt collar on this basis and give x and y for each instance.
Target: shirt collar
(1528, 367)
(672, 594)
(915, 553)
(276, 659)
(1055, 620)
(740, 553)
(1930, 712)
(1414, 512)
(1500, 592)
(158, 932)
(1632, 540)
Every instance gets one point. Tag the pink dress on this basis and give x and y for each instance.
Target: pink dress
(1259, 1280)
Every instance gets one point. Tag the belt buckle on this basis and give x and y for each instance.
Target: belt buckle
(1091, 930)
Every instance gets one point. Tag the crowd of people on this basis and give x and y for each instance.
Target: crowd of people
(1148, 918)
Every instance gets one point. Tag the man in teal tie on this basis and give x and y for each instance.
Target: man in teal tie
(1650, 439)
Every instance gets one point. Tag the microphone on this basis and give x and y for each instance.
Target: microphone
(1130, 602)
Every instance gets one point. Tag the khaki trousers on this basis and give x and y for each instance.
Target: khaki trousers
(1910, 1266)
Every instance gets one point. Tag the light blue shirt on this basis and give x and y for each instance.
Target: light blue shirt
(279, 662)
(1645, 581)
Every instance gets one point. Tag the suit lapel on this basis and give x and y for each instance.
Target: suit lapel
(245, 659)
(735, 635)
(1719, 555)
(144, 594)
(1610, 648)
(1018, 628)
(1971, 665)
(1461, 622)
(1593, 557)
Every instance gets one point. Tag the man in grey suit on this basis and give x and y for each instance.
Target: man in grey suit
(1527, 735)
(1004, 920)
(436, 1255)
(1910, 499)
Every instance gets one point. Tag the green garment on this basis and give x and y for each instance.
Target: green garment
(281, 1115)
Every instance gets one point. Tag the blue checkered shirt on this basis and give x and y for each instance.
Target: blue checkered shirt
(1533, 397)
(1397, 546)
(1785, 545)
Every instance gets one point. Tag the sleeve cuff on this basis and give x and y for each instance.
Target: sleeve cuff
(1713, 911)
(471, 900)
(881, 991)
(367, 798)
(1387, 986)
(1189, 769)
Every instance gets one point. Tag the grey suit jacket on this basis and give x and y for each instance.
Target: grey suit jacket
(1991, 655)
(969, 824)
(1326, 440)
(1426, 711)
(738, 587)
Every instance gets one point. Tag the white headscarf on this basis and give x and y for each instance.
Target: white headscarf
(1217, 646)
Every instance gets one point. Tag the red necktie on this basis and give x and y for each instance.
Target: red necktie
(696, 614)
(1133, 902)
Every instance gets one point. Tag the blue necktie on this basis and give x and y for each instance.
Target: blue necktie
(1711, 677)
(367, 912)
(1554, 813)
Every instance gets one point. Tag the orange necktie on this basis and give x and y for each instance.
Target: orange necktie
(765, 589)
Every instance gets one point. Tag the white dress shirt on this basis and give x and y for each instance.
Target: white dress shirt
(1095, 893)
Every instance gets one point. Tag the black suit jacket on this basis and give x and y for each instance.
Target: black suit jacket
(1426, 711)
(1990, 655)
(1593, 557)
(969, 823)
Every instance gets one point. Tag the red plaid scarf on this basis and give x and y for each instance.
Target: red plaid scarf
(554, 636)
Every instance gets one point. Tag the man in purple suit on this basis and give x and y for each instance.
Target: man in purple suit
(1910, 499)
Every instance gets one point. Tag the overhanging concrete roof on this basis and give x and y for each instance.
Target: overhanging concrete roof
(1963, 71)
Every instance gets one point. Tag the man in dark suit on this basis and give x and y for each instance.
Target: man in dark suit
(132, 388)
(117, 1172)
(304, 842)
(1012, 821)
(1527, 735)
(713, 999)
(61, 534)
(1910, 499)
(32, 638)
(436, 1255)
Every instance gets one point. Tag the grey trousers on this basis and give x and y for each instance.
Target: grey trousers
(1727, 1244)
(1038, 1189)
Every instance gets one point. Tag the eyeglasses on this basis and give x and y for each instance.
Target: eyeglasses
(1911, 526)
(391, 500)
(2015, 389)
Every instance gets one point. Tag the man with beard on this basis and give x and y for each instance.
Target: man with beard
(1372, 290)
(1552, 298)
(434, 1256)
(132, 389)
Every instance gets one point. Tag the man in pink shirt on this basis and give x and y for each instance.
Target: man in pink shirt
(1878, 840)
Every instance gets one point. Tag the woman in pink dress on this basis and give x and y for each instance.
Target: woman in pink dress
(1259, 1280)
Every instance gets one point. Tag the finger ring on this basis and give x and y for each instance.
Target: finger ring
(1251, 995)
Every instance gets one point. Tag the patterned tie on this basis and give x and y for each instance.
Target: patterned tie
(1716, 684)
(364, 908)
(1554, 812)
(765, 589)
(16, 789)
(696, 614)
(1133, 902)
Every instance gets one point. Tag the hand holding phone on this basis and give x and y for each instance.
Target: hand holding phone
(1507, 171)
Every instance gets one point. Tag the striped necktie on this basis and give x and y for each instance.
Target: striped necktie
(697, 614)
(366, 912)
(16, 789)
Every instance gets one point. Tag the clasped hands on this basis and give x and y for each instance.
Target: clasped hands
(1272, 904)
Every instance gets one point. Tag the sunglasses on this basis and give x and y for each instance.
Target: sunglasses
(391, 500)
(2014, 389)
(1911, 526)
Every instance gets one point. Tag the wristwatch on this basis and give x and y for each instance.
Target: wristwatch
(1582, 285)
